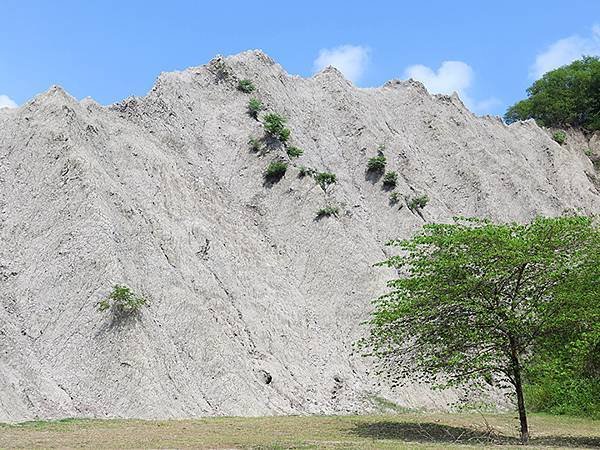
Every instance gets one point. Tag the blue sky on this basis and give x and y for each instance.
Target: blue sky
(488, 51)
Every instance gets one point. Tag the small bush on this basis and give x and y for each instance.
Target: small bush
(390, 179)
(306, 172)
(394, 198)
(418, 202)
(294, 152)
(255, 144)
(274, 123)
(275, 171)
(328, 211)
(560, 137)
(284, 136)
(122, 300)
(246, 86)
(275, 126)
(254, 107)
(324, 179)
(221, 70)
(377, 163)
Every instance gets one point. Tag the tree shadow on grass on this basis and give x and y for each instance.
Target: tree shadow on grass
(425, 432)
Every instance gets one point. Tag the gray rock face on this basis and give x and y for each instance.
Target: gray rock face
(254, 302)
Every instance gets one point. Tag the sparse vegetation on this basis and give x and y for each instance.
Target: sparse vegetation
(246, 86)
(284, 135)
(419, 202)
(294, 152)
(560, 137)
(255, 144)
(394, 198)
(306, 172)
(122, 300)
(390, 179)
(325, 179)
(255, 106)
(221, 70)
(328, 211)
(275, 126)
(275, 170)
(377, 163)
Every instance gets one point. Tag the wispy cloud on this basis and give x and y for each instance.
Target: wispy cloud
(565, 51)
(6, 102)
(450, 77)
(351, 60)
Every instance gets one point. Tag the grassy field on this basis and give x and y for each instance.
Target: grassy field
(408, 430)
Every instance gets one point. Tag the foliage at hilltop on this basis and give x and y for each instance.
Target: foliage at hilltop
(569, 95)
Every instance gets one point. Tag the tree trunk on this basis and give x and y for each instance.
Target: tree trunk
(516, 370)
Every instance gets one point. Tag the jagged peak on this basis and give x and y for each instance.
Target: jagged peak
(56, 95)
(256, 55)
(331, 72)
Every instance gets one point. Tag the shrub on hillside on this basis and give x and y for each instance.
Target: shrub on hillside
(220, 69)
(418, 203)
(275, 126)
(254, 107)
(390, 179)
(294, 152)
(306, 172)
(246, 86)
(275, 171)
(122, 300)
(255, 144)
(394, 198)
(560, 137)
(328, 211)
(377, 163)
(324, 179)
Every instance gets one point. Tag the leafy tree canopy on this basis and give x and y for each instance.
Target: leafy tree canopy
(569, 95)
(475, 301)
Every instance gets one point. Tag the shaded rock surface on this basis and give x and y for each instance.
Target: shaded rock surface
(254, 304)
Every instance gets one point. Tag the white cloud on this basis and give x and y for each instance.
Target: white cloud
(6, 102)
(565, 51)
(351, 60)
(452, 76)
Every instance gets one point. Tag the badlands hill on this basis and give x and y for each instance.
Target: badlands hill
(255, 302)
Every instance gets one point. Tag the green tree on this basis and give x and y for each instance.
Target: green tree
(475, 301)
(569, 95)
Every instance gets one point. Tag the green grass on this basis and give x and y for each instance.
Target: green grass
(398, 431)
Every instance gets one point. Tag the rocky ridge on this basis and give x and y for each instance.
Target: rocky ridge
(254, 301)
